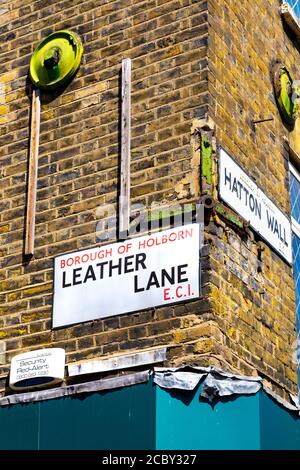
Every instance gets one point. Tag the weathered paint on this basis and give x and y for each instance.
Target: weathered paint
(206, 163)
(255, 422)
(119, 419)
(229, 215)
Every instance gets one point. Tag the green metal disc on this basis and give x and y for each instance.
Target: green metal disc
(56, 59)
(286, 93)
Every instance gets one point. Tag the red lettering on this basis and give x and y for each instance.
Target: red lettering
(181, 235)
(167, 294)
(77, 260)
(177, 292)
(142, 244)
(62, 263)
(121, 249)
(173, 235)
(70, 261)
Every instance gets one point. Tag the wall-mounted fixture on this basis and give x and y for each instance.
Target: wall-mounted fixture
(287, 94)
(37, 369)
(53, 63)
(56, 59)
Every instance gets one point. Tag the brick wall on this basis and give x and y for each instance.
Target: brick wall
(79, 152)
(252, 287)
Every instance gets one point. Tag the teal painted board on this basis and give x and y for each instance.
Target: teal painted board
(280, 429)
(117, 419)
(147, 417)
(19, 427)
(184, 422)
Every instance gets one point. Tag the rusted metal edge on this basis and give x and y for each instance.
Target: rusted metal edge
(88, 387)
(231, 217)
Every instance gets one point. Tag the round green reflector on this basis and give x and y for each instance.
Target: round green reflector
(56, 59)
(287, 94)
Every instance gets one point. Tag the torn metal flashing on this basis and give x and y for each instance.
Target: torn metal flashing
(216, 384)
(178, 380)
(214, 387)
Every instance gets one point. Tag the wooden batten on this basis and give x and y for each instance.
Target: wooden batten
(124, 202)
(33, 171)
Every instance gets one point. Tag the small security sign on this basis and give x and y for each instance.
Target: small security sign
(37, 369)
(139, 273)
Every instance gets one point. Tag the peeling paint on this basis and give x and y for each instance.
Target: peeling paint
(206, 159)
(229, 215)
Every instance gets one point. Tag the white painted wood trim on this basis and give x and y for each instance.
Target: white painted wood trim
(124, 202)
(118, 362)
(33, 172)
(296, 227)
(294, 171)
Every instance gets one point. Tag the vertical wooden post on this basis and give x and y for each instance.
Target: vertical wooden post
(124, 202)
(33, 170)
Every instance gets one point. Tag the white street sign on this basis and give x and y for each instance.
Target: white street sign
(240, 192)
(139, 273)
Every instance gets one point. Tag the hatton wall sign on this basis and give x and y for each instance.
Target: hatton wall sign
(245, 197)
(144, 272)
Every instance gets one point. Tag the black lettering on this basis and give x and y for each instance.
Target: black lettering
(115, 266)
(64, 284)
(285, 242)
(101, 266)
(139, 260)
(270, 221)
(128, 262)
(76, 274)
(234, 187)
(165, 275)
(246, 195)
(251, 203)
(181, 272)
(136, 288)
(90, 274)
(227, 178)
(258, 208)
(240, 190)
(283, 239)
(153, 281)
(276, 230)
